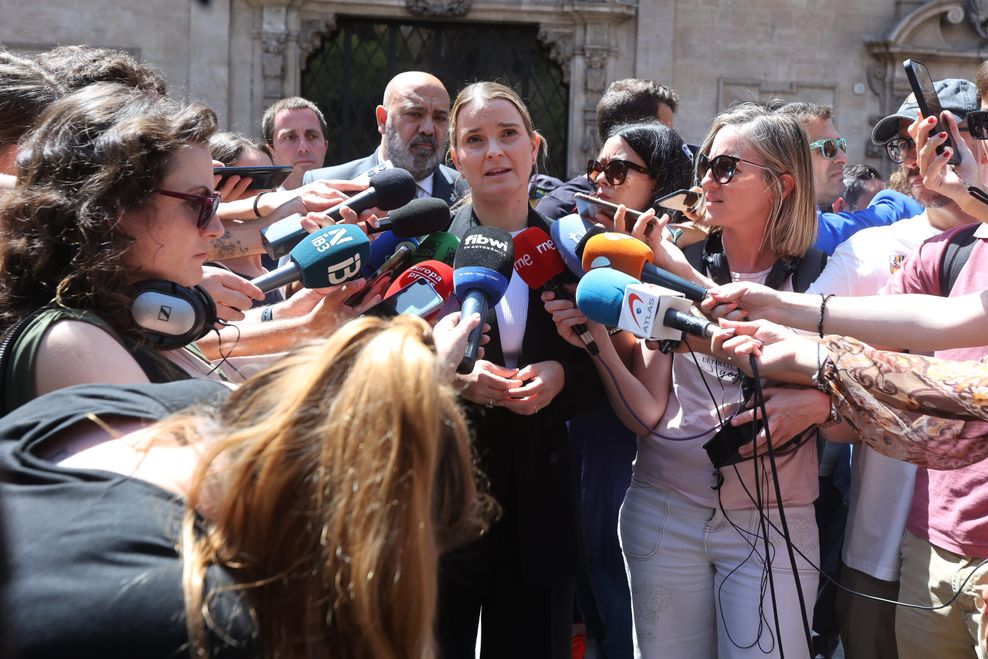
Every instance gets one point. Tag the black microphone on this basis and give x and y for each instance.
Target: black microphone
(686, 322)
(389, 189)
(481, 272)
(416, 218)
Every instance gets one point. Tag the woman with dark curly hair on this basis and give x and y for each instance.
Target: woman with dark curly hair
(114, 186)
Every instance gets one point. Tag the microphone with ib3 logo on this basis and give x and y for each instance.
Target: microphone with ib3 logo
(331, 256)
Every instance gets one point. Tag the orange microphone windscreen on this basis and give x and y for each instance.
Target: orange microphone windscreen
(619, 251)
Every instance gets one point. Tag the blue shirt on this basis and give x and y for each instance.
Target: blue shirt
(886, 207)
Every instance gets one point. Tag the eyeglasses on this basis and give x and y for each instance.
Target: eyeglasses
(208, 203)
(615, 171)
(977, 124)
(723, 167)
(830, 147)
(898, 147)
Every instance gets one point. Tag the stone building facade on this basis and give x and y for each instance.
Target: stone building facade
(239, 55)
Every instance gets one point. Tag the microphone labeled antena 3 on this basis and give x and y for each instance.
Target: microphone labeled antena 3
(389, 189)
(416, 218)
(481, 272)
(648, 311)
(539, 264)
(633, 257)
(331, 256)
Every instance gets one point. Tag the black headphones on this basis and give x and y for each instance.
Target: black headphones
(171, 316)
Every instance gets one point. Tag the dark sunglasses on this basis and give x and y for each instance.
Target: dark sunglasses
(615, 171)
(898, 147)
(977, 124)
(208, 203)
(723, 167)
(830, 147)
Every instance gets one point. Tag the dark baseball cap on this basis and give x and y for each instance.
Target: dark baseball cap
(956, 95)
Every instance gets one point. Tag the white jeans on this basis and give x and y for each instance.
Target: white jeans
(692, 572)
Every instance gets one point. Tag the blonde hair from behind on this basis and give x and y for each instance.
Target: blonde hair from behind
(332, 481)
(781, 143)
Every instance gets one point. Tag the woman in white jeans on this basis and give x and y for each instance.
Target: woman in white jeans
(692, 535)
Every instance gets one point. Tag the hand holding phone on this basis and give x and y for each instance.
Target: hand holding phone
(928, 102)
(261, 177)
(588, 207)
(680, 200)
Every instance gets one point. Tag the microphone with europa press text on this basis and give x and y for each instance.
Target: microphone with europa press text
(648, 311)
(438, 274)
(481, 272)
(538, 263)
(437, 246)
(389, 189)
(331, 256)
(633, 257)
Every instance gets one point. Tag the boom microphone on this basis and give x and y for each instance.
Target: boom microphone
(416, 218)
(538, 263)
(326, 258)
(481, 272)
(389, 189)
(633, 257)
(648, 311)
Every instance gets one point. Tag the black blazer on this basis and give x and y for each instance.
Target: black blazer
(443, 180)
(527, 459)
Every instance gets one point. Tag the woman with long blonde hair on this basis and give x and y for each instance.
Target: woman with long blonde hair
(301, 515)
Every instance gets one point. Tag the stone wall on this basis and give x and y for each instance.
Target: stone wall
(238, 55)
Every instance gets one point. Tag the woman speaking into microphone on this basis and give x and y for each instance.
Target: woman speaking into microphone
(529, 382)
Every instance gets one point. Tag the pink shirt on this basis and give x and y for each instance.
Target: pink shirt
(949, 508)
(682, 464)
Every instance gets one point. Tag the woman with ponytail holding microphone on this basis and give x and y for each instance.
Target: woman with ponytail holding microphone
(696, 537)
(529, 382)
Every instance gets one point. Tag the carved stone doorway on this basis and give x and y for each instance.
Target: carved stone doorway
(347, 74)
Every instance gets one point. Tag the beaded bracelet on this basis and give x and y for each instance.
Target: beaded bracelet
(823, 308)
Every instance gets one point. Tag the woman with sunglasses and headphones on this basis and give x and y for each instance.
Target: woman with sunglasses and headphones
(694, 536)
(114, 187)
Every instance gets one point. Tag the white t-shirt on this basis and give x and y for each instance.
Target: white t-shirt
(881, 488)
(690, 419)
(512, 314)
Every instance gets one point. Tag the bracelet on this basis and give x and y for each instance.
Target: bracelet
(834, 417)
(978, 194)
(257, 211)
(818, 378)
(823, 308)
(267, 313)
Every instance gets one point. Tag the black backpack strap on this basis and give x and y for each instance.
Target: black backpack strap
(955, 255)
(808, 269)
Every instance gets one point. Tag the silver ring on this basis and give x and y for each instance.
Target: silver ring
(490, 403)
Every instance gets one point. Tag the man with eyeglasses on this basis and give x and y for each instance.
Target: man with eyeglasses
(829, 155)
(881, 489)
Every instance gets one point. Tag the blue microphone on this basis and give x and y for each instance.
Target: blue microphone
(481, 272)
(600, 293)
(566, 233)
(331, 256)
(383, 248)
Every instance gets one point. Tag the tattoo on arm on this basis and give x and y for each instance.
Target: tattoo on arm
(228, 247)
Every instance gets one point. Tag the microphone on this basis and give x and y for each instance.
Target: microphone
(438, 274)
(437, 246)
(648, 311)
(416, 218)
(389, 189)
(481, 272)
(382, 248)
(326, 258)
(633, 257)
(539, 264)
(566, 233)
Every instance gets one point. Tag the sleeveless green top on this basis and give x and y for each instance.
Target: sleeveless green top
(19, 360)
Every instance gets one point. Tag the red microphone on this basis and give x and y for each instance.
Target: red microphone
(538, 263)
(438, 274)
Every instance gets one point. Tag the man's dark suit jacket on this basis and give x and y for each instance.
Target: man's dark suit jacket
(443, 179)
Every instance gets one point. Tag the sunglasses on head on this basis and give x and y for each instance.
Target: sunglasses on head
(208, 203)
(722, 168)
(615, 170)
(830, 147)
